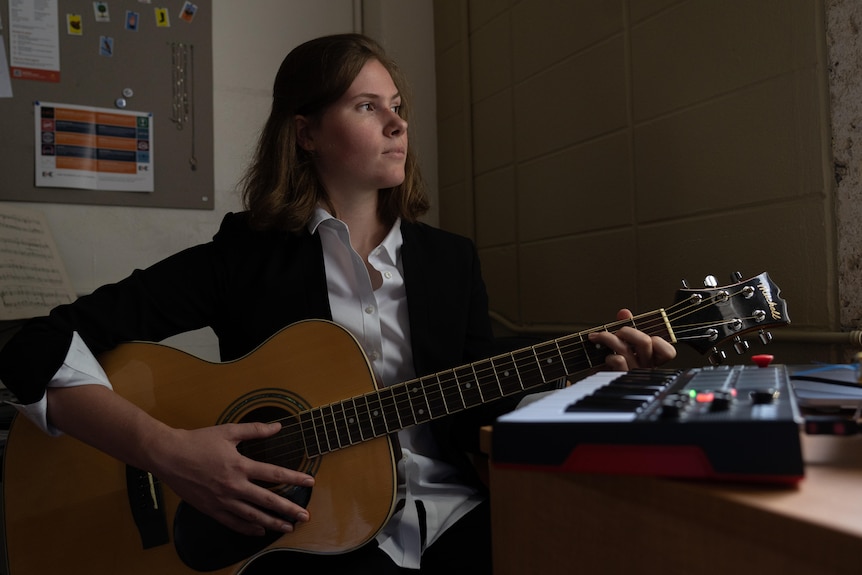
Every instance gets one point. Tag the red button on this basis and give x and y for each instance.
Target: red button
(762, 360)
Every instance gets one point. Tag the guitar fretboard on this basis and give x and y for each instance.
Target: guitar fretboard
(391, 409)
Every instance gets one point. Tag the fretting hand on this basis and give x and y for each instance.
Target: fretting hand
(631, 348)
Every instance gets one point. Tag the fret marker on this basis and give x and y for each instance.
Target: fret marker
(506, 373)
(375, 413)
(549, 361)
(351, 420)
(468, 385)
(421, 412)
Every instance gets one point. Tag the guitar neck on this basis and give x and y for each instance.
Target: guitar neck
(409, 403)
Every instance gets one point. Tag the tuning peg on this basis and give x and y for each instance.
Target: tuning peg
(717, 356)
(765, 336)
(740, 345)
(684, 284)
(710, 281)
(736, 276)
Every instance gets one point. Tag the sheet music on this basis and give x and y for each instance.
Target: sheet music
(32, 277)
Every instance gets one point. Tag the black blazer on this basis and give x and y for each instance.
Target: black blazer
(246, 285)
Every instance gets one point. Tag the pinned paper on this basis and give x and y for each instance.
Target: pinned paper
(5, 80)
(100, 11)
(163, 19)
(93, 148)
(106, 46)
(131, 21)
(74, 25)
(34, 40)
(188, 12)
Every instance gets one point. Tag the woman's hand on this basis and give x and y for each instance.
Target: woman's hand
(631, 348)
(202, 466)
(205, 469)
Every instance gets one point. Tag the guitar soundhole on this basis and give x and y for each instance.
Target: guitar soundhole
(285, 448)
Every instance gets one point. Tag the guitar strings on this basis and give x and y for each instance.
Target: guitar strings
(332, 423)
(655, 327)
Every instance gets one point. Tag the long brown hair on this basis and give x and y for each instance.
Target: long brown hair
(281, 187)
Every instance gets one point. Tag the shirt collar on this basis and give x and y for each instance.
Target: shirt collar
(318, 217)
(393, 240)
(391, 243)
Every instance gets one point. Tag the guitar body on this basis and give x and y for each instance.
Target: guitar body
(68, 507)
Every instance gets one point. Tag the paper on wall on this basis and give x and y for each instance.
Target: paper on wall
(33, 279)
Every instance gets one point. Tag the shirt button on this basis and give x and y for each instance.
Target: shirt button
(388, 275)
(369, 310)
(374, 356)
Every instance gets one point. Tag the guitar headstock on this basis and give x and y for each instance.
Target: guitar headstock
(706, 317)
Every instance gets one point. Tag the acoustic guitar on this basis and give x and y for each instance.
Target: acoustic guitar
(72, 509)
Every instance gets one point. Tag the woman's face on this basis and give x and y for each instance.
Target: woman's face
(360, 142)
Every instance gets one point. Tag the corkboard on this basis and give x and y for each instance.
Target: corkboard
(143, 64)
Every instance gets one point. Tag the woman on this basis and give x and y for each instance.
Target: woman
(333, 197)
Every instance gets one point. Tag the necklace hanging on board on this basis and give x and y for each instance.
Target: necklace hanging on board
(182, 106)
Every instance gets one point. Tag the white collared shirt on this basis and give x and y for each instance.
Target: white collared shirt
(379, 320)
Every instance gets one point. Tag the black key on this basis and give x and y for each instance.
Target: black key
(593, 403)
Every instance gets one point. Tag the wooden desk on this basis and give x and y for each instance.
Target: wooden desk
(548, 523)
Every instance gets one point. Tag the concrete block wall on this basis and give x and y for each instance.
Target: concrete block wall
(601, 151)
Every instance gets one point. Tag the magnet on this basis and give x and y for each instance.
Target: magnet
(120, 103)
(128, 92)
